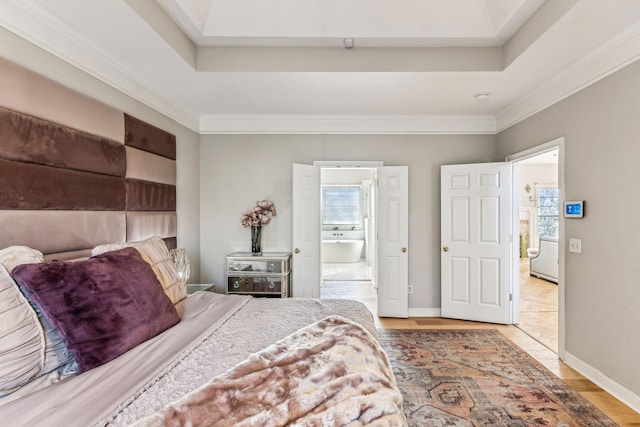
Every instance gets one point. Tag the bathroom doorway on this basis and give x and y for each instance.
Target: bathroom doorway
(348, 244)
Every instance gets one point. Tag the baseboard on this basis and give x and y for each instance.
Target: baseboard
(618, 391)
(424, 312)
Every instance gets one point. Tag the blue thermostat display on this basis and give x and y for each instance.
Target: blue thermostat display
(574, 209)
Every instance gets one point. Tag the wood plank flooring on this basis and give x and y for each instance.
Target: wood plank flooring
(616, 410)
(538, 308)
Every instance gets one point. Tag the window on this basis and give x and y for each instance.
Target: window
(340, 205)
(548, 211)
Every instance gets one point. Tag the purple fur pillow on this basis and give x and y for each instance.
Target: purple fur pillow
(101, 307)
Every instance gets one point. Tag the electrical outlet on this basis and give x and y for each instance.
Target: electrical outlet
(410, 289)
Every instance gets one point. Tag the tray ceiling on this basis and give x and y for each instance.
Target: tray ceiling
(280, 66)
(368, 22)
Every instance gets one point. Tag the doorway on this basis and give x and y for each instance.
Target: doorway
(479, 280)
(348, 246)
(390, 260)
(540, 244)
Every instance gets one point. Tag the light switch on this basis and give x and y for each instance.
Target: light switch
(575, 246)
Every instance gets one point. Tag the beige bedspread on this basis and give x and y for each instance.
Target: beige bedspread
(331, 373)
(216, 333)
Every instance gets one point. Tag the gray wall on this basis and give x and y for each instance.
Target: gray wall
(601, 126)
(236, 171)
(30, 56)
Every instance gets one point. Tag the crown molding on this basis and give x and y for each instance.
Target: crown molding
(344, 124)
(612, 56)
(33, 23)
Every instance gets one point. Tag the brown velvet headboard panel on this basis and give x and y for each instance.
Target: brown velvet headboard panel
(75, 173)
(150, 181)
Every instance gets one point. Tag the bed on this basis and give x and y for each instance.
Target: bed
(230, 348)
(87, 216)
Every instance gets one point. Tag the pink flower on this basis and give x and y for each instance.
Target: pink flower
(265, 204)
(259, 215)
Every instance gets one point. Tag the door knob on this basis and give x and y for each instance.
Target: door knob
(296, 251)
(446, 248)
(404, 249)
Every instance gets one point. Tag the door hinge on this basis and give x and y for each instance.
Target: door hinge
(510, 297)
(510, 238)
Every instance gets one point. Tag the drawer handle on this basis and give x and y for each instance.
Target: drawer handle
(272, 285)
(236, 285)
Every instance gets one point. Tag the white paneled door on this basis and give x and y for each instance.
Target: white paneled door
(305, 270)
(393, 241)
(476, 242)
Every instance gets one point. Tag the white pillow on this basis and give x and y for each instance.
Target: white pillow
(22, 340)
(154, 251)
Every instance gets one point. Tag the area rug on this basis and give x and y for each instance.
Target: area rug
(478, 377)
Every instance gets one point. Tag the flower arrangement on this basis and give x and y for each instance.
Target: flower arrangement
(260, 215)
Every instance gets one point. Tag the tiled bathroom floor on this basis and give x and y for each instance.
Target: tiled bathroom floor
(349, 281)
(346, 271)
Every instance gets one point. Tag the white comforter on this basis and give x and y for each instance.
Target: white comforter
(216, 333)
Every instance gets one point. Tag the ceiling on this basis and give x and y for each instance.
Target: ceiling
(281, 66)
(546, 158)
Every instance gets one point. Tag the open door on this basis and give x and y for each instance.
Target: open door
(305, 271)
(393, 241)
(476, 237)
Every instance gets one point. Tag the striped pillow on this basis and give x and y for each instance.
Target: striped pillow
(154, 251)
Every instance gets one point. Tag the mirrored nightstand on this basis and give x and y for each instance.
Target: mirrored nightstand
(267, 275)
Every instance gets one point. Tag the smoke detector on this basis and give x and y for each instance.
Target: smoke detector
(482, 96)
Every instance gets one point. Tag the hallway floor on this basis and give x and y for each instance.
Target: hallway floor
(538, 308)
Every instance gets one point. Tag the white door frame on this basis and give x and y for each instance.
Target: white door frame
(366, 164)
(522, 155)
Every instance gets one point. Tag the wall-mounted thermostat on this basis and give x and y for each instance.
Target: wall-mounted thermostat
(574, 209)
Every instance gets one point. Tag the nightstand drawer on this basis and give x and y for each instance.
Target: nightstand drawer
(262, 284)
(239, 284)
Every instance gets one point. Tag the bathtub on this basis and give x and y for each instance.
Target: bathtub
(342, 250)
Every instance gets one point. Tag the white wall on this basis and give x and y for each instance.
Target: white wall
(30, 56)
(601, 129)
(237, 170)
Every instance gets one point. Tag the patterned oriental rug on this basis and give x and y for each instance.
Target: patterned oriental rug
(478, 377)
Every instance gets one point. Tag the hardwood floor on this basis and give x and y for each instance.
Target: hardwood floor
(616, 410)
(538, 308)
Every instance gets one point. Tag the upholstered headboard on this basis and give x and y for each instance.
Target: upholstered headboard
(76, 173)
